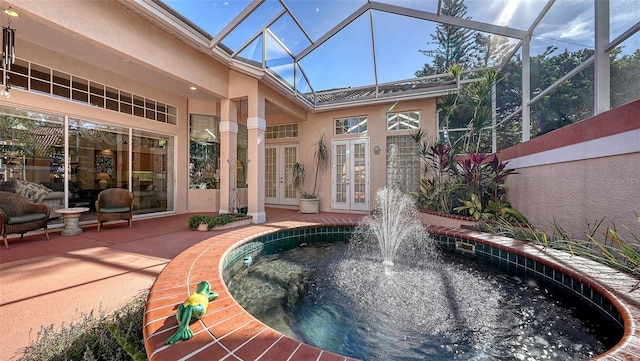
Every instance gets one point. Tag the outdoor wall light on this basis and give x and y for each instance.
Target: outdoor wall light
(11, 12)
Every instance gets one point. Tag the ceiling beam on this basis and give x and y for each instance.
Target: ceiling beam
(235, 22)
(450, 20)
(354, 15)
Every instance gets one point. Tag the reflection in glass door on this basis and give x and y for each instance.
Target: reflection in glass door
(350, 174)
(151, 154)
(279, 160)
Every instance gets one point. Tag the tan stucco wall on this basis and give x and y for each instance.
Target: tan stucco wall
(109, 25)
(323, 123)
(581, 173)
(578, 193)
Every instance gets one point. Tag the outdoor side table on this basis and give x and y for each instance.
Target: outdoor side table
(71, 216)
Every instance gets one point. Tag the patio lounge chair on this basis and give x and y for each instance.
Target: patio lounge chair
(114, 204)
(18, 215)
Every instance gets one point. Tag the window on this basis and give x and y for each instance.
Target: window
(43, 80)
(79, 89)
(404, 170)
(97, 95)
(19, 75)
(281, 131)
(351, 125)
(40, 79)
(112, 99)
(204, 151)
(61, 85)
(403, 121)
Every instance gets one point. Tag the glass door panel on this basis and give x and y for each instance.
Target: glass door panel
(350, 174)
(279, 160)
(151, 154)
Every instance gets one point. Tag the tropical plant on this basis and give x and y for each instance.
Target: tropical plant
(438, 188)
(298, 175)
(474, 208)
(485, 185)
(491, 211)
(473, 173)
(321, 159)
(467, 184)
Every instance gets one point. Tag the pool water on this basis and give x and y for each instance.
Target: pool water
(442, 308)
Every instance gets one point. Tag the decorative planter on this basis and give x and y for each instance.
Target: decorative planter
(240, 222)
(446, 220)
(202, 227)
(309, 205)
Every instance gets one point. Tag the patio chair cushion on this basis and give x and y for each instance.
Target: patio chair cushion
(115, 210)
(26, 218)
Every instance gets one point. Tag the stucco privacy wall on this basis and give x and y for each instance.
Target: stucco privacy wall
(581, 173)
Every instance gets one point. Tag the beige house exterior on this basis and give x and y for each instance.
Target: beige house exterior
(114, 43)
(108, 43)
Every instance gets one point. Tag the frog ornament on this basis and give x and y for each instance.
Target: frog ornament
(193, 308)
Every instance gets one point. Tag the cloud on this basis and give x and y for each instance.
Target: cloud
(572, 28)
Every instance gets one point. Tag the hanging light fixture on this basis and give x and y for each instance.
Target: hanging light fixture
(8, 50)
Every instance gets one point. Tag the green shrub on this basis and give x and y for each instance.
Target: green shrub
(96, 337)
(214, 220)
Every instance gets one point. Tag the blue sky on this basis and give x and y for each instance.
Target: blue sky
(347, 60)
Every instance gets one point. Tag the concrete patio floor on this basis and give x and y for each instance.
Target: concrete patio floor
(54, 282)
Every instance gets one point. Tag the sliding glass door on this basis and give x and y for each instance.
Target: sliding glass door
(66, 163)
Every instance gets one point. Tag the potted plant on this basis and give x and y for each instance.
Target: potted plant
(309, 202)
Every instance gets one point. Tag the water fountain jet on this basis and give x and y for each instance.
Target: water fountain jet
(421, 306)
(395, 219)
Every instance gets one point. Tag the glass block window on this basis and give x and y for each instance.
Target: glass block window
(351, 125)
(405, 173)
(281, 131)
(42, 80)
(403, 121)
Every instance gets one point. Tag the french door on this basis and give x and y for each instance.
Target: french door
(279, 160)
(350, 174)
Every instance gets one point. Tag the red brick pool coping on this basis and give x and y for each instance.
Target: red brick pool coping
(228, 332)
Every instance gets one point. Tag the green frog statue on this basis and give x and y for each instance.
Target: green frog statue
(193, 308)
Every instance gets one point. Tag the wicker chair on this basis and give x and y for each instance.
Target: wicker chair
(18, 215)
(114, 204)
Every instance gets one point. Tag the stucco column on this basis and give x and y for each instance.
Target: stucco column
(228, 154)
(256, 127)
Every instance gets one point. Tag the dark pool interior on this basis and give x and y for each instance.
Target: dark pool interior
(436, 308)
